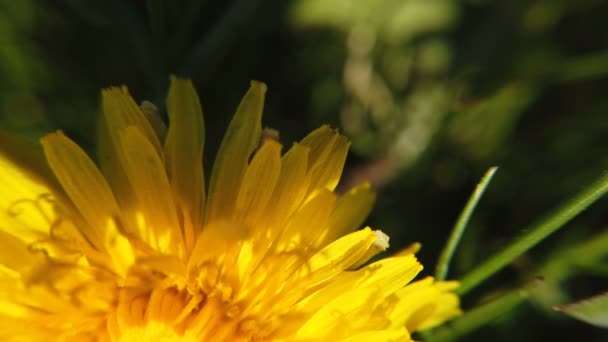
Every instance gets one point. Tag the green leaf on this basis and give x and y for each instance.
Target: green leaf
(593, 310)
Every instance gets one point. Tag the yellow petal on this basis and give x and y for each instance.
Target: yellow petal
(287, 196)
(15, 254)
(290, 189)
(118, 248)
(83, 183)
(259, 181)
(215, 240)
(336, 257)
(385, 276)
(146, 173)
(351, 210)
(28, 157)
(27, 208)
(154, 117)
(169, 265)
(393, 335)
(328, 151)
(120, 111)
(412, 248)
(319, 141)
(393, 273)
(306, 228)
(110, 166)
(184, 151)
(336, 314)
(26, 205)
(447, 305)
(424, 303)
(380, 245)
(241, 138)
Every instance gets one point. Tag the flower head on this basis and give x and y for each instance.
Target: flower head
(139, 249)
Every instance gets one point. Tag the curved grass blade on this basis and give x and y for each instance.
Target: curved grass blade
(441, 270)
(534, 234)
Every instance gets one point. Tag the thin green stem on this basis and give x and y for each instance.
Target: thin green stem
(443, 265)
(534, 234)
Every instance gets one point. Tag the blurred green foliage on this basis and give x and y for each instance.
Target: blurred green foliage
(431, 92)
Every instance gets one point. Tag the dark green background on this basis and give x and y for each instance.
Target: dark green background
(431, 92)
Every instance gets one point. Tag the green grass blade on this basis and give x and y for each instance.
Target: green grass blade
(534, 234)
(592, 66)
(441, 270)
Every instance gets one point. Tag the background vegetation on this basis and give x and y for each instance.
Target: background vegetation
(431, 92)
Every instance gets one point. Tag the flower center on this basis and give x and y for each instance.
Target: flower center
(172, 315)
(154, 331)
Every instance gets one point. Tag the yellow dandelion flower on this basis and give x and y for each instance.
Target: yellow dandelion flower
(139, 250)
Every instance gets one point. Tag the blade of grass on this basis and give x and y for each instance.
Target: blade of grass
(580, 68)
(534, 234)
(443, 265)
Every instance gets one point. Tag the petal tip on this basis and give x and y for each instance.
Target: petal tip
(52, 136)
(381, 240)
(258, 86)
